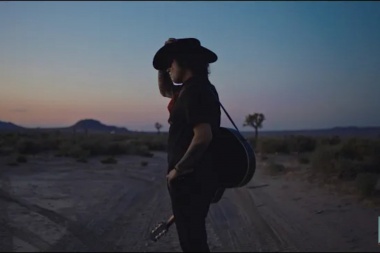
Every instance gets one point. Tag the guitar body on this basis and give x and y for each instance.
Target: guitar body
(235, 160)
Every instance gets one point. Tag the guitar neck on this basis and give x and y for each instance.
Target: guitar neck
(170, 221)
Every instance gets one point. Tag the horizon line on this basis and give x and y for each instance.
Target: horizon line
(135, 130)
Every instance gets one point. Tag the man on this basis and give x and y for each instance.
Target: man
(194, 122)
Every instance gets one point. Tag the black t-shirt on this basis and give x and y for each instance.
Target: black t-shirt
(195, 104)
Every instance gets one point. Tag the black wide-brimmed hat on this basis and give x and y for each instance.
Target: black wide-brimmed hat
(187, 46)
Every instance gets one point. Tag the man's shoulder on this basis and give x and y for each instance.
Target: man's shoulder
(198, 89)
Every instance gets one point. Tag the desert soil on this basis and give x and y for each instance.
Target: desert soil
(58, 204)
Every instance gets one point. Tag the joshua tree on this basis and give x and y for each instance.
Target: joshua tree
(256, 121)
(158, 127)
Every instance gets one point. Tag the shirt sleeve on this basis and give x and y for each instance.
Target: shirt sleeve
(200, 106)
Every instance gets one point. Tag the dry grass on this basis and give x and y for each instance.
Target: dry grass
(349, 166)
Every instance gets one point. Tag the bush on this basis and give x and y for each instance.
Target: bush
(109, 160)
(322, 160)
(82, 160)
(94, 146)
(263, 157)
(330, 141)
(366, 183)
(28, 147)
(276, 168)
(116, 149)
(273, 145)
(5, 151)
(347, 169)
(78, 152)
(12, 163)
(301, 144)
(303, 159)
(359, 149)
(21, 159)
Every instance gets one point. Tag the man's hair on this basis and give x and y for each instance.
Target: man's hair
(196, 64)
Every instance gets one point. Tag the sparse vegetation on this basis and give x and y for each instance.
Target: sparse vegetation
(366, 183)
(332, 159)
(276, 168)
(81, 146)
(21, 159)
(303, 159)
(109, 160)
(343, 159)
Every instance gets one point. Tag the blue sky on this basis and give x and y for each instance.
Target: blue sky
(302, 64)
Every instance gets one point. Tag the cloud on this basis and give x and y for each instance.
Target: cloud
(20, 110)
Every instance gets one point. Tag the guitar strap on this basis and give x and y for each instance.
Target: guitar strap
(225, 110)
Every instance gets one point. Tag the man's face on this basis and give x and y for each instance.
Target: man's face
(177, 74)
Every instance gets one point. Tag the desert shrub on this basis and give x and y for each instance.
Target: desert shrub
(347, 169)
(120, 137)
(330, 141)
(64, 148)
(276, 168)
(28, 146)
(12, 163)
(142, 150)
(77, 152)
(264, 157)
(273, 145)
(4, 148)
(50, 143)
(94, 146)
(82, 160)
(359, 148)
(366, 183)
(303, 159)
(322, 160)
(117, 148)
(21, 159)
(301, 144)
(109, 160)
(9, 139)
(156, 145)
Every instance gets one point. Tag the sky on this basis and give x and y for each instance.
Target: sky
(305, 65)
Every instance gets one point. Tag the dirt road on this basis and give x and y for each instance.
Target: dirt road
(56, 204)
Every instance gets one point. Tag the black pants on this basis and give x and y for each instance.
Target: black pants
(191, 196)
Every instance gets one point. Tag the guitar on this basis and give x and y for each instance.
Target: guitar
(235, 161)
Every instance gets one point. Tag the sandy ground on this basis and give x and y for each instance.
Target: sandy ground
(57, 204)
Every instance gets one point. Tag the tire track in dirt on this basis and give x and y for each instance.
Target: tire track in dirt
(29, 237)
(6, 238)
(242, 228)
(86, 237)
(120, 198)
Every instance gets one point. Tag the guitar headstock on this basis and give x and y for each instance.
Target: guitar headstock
(159, 231)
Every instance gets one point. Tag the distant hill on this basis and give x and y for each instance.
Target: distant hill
(97, 126)
(338, 131)
(90, 125)
(93, 125)
(8, 126)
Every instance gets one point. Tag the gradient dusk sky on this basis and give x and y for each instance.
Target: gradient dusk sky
(302, 64)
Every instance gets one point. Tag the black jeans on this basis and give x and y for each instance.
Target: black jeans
(191, 196)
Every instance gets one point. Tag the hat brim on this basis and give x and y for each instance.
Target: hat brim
(164, 56)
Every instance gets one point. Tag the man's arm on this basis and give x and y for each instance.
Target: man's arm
(199, 144)
(165, 84)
